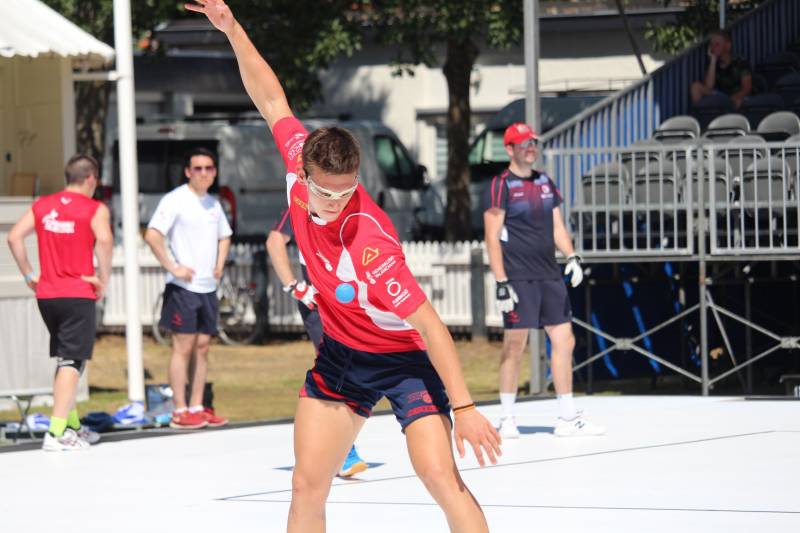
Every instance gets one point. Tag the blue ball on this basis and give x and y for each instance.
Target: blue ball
(345, 293)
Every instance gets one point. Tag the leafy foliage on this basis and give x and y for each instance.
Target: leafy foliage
(299, 38)
(449, 34)
(694, 24)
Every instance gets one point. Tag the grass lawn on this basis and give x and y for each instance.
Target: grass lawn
(251, 382)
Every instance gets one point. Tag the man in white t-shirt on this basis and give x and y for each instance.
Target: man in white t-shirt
(199, 239)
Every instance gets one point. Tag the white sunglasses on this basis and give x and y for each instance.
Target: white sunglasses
(326, 194)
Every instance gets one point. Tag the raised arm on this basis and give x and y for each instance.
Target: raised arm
(260, 82)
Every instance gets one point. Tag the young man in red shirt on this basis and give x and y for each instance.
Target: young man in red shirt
(374, 316)
(69, 226)
(279, 237)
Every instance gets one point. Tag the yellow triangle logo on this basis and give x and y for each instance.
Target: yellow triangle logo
(369, 255)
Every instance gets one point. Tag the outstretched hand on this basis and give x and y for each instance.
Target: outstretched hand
(473, 427)
(217, 11)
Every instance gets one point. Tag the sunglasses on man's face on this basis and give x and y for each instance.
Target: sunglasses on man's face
(527, 144)
(207, 168)
(327, 194)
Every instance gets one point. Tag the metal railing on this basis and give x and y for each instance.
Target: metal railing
(647, 201)
(633, 114)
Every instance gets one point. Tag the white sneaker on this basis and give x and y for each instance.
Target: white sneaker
(92, 437)
(577, 427)
(68, 442)
(508, 428)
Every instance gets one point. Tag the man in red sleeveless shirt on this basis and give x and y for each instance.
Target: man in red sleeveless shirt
(69, 226)
(374, 317)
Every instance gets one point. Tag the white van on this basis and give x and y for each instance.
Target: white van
(251, 182)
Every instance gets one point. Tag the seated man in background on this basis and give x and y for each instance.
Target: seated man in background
(726, 75)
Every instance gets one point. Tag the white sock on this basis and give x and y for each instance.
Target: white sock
(507, 400)
(195, 408)
(181, 410)
(566, 407)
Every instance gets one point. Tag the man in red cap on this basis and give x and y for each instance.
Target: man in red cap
(523, 226)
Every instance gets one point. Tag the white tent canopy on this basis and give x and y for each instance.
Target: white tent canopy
(29, 28)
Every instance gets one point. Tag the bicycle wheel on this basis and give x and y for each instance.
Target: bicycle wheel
(160, 334)
(238, 323)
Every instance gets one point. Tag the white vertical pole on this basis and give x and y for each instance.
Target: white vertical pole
(67, 109)
(129, 188)
(722, 20)
(533, 115)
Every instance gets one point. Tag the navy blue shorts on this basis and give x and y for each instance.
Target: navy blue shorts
(312, 322)
(185, 311)
(360, 379)
(541, 303)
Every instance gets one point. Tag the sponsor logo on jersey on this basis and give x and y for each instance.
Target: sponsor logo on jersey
(384, 267)
(57, 226)
(300, 203)
(324, 259)
(393, 287)
(294, 146)
(65, 200)
(397, 292)
(369, 255)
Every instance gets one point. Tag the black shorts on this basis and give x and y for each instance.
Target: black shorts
(71, 323)
(360, 379)
(541, 303)
(184, 311)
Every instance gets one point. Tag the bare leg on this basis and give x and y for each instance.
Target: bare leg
(698, 91)
(431, 451)
(182, 348)
(200, 370)
(514, 341)
(323, 434)
(563, 343)
(65, 389)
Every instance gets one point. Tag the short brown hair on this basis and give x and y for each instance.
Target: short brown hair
(79, 167)
(332, 150)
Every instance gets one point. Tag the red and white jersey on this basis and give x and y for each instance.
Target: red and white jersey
(66, 244)
(359, 248)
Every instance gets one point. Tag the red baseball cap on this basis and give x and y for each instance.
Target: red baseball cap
(517, 133)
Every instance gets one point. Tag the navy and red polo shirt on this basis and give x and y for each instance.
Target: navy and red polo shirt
(527, 235)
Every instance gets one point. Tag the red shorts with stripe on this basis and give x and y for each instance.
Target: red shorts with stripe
(360, 379)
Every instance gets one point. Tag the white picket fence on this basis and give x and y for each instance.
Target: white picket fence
(443, 270)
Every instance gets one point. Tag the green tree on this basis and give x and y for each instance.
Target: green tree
(299, 38)
(457, 30)
(694, 24)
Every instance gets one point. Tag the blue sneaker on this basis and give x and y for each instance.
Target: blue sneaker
(353, 464)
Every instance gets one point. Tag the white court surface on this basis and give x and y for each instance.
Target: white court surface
(668, 464)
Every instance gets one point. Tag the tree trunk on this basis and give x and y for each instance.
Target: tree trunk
(457, 69)
(91, 108)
